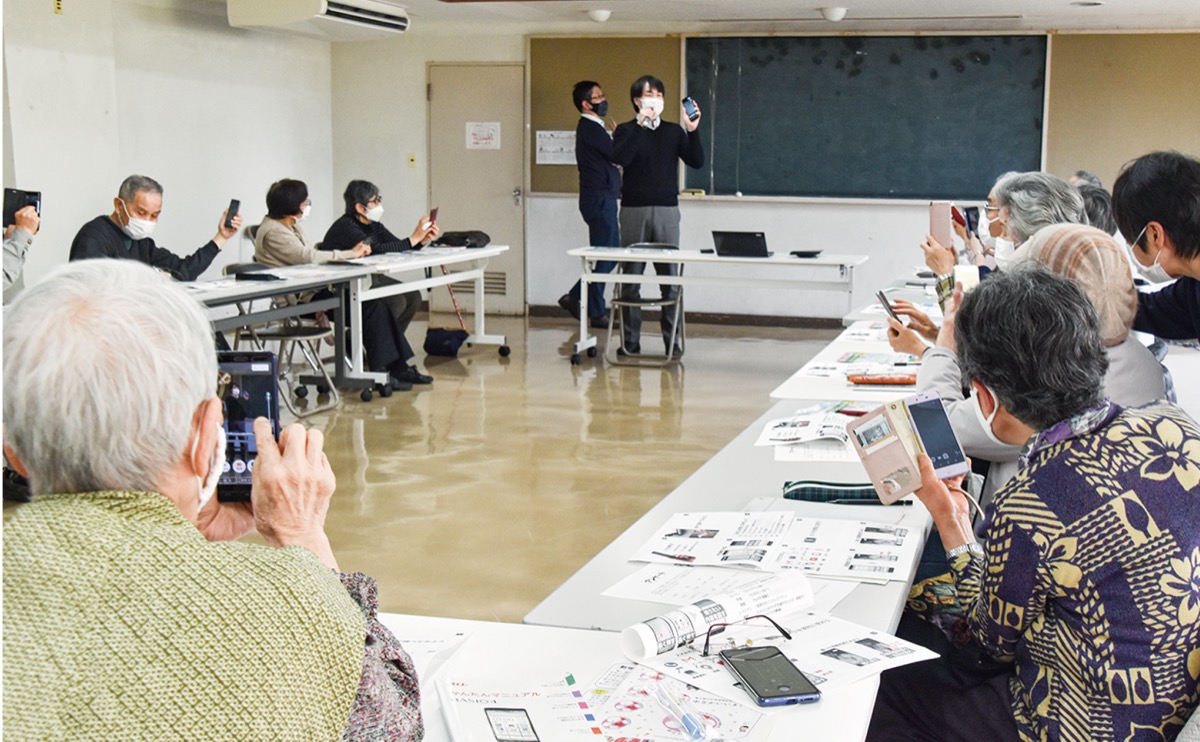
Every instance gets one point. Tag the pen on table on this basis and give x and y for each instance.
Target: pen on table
(867, 502)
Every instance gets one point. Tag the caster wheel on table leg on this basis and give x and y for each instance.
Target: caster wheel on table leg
(575, 359)
(591, 352)
(505, 350)
(301, 392)
(366, 395)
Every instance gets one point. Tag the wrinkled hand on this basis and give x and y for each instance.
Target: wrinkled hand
(291, 489)
(361, 250)
(223, 234)
(903, 339)
(940, 259)
(917, 320)
(225, 521)
(949, 509)
(26, 218)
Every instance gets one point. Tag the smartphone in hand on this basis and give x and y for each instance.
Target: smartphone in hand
(432, 219)
(252, 391)
(939, 223)
(234, 205)
(887, 306)
(689, 107)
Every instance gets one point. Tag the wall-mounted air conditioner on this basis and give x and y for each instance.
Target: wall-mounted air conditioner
(333, 20)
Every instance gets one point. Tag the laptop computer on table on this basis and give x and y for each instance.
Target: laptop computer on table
(740, 244)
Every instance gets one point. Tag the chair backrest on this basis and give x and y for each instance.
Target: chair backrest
(251, 231)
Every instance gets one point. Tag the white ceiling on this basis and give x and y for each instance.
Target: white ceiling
(801, 16)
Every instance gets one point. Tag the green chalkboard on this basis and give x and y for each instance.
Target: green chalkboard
(866, 116)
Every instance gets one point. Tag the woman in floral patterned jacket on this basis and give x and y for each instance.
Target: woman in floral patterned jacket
(1086, 597)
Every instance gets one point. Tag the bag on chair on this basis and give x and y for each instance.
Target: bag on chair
(445, 341)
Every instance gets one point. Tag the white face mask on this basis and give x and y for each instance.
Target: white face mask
(986, 421)
(1154, 273)
(137, 229)
(304, 212)
(655, 105)
(375, 213)
(206, 487)
(1004, 249)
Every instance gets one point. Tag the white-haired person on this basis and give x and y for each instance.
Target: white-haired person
(131, 611)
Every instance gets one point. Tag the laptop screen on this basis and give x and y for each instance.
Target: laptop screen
(740, 244)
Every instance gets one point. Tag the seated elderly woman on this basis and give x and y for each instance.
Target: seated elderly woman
(1085, 595)
(130, 610)
(1018, 205)
(1096, 263)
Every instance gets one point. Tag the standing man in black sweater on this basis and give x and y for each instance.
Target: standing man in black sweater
(361, 223)
(599, 188)
(648, 149)
(126, 233)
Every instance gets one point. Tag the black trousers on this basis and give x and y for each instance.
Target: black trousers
(962, 695)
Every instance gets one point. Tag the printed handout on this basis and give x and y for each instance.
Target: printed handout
(676, 585)
(850, 549)
(692, 622)
(830, 651)
(506, 708)
(749, 540)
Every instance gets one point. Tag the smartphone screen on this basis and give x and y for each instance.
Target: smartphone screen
(971, 214)
(939, 223)
(689, 107)
(769, 676)
(887, 306)
(511, 725)
(252, 391)
(937, 437)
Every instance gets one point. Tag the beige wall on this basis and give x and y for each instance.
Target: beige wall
(1117, 96)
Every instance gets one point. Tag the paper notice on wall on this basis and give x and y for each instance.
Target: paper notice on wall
(483, 135)
(556, 148)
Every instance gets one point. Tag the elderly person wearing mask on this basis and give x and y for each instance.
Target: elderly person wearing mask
(1094, 261)
(1018, 205)
(130, 610)
(1084, 595)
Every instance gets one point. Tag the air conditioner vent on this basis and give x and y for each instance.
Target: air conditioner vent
(350, 13)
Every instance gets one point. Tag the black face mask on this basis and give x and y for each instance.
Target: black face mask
(601, 108)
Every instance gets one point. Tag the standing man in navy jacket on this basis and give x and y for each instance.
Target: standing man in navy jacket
(599, 188)
(649, 149)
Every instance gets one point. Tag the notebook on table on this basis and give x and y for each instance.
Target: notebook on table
(740, 244)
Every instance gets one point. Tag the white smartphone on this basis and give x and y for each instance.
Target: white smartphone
(936, 436)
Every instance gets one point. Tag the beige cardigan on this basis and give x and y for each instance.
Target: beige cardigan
(278, 244)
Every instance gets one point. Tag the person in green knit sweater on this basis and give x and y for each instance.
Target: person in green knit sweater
(131, 610)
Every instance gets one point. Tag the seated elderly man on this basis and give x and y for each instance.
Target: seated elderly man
(1085, 597)
(130, 612)
(1096, 263)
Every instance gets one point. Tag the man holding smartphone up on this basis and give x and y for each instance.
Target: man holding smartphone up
(648, 149)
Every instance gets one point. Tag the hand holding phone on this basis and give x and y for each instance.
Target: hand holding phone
(689, 108)
(432, 219)
(769, 676)
(234, 205)
(939, 223)
(887, 306)
(251, 392)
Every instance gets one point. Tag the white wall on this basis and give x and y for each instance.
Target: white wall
(167, 89)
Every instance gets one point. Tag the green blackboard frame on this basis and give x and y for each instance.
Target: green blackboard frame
(888, 117)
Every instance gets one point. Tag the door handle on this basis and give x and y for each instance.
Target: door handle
(516, 194)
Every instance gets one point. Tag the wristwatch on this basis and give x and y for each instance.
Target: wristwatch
(972, 547)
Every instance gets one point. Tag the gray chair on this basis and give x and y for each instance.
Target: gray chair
(292, 334)
(613, 353)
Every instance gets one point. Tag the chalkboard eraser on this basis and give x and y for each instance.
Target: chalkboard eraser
(692, 192)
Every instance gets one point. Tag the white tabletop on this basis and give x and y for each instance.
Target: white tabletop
(736, 475)
(426, 257)
(632, 254)
(811, 383)
(506, 651)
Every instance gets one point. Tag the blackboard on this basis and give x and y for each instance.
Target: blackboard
(917, 117)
